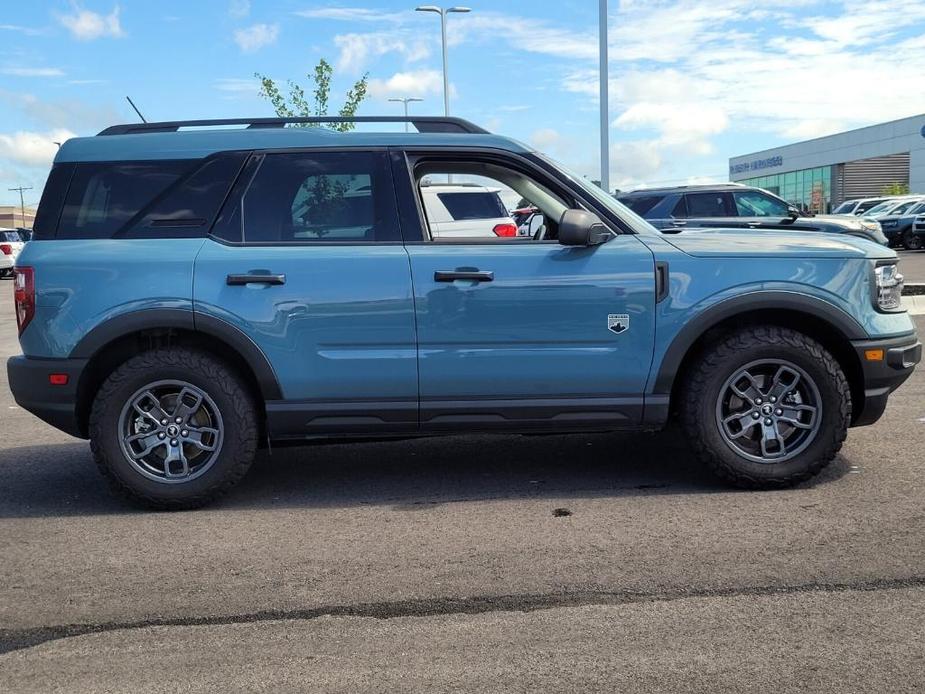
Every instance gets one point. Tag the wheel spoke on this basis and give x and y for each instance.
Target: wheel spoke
(751, 392)
(188, 402)
(149, 441)
(175, 454)
(785, 380)
(772, 443)
(155, 412)
(745, 422)
(204, 438)
(791, 415)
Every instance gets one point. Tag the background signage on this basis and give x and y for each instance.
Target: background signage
(756, 165)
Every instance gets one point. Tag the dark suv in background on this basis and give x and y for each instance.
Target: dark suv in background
(732, 205)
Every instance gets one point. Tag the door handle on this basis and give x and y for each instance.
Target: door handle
(255, 278)
(453, 275)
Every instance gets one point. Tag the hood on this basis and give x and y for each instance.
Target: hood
(848, 221)
(742, 243)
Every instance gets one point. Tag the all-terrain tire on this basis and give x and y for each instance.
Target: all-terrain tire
(719, 361)
(213, 377)
(912, 241)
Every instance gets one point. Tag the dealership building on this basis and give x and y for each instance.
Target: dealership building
(820, 174)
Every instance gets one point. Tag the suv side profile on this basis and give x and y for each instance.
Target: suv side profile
(190, 295)
(733, 205)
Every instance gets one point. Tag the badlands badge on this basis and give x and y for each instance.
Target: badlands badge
(618, 322)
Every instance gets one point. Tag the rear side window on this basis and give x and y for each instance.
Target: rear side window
(707, 205)
(104, 196)
(481, 205)
(46, 218)
(321, 197)
(641, 205)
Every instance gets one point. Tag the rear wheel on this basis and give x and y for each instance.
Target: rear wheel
(766, 407)
(912, 241)
(173, 428)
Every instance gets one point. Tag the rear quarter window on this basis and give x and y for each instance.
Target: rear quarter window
(642, 204)
(473, 205)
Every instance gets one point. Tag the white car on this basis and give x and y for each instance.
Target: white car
(461, 210)
(11, 243)
(895, 207)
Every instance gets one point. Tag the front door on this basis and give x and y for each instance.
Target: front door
(524, 332)
(311, 267)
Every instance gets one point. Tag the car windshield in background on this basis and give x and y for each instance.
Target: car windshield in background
(10, 236)
(473, 205)
(845, 207)
(882, 208)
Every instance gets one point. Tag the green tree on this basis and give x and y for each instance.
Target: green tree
(295, 104)
(896, 189)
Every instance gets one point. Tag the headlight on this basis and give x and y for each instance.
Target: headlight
(871, 224)
(889, 287)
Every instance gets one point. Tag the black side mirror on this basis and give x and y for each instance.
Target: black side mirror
(793, 212)
(582, 228)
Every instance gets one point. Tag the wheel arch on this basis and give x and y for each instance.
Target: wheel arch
(824, 322)
(116, 340)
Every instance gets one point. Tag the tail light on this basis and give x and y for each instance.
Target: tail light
(24, 295)
(6, 249)
(505, 230)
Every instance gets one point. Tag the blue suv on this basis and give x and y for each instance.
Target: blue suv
(194, 292)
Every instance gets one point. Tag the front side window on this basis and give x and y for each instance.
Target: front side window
(867, 205)
(327, 197)
(750, 203)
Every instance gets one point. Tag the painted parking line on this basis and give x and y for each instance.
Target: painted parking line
(915, 305)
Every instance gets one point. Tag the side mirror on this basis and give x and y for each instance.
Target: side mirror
(535, 224)
(581, 228)
(793, 212)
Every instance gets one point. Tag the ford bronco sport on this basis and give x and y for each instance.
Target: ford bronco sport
(193, 292)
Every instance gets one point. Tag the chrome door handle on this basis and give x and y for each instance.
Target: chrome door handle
(255, 278)
(453, 275)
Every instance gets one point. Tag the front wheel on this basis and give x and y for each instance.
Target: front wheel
(173, 428)
(766, 407)
(912, 241)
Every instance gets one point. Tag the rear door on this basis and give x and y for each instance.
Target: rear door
(306, 259)
(707, 209)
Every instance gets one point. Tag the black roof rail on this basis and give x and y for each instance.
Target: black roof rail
(424, 124)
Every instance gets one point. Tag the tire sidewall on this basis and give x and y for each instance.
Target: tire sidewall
(830, 429)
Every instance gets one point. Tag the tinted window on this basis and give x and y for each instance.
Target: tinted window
(750, 203)
(866, 205)
(642, 205)
(473, 205)
(327, 197)
(845, 207)
(46, 218)
(707, 205)
(104, 196)
(188, 207)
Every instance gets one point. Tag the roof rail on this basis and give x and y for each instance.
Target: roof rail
(424, 124)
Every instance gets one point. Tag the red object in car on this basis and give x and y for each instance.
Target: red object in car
(24, 296)
(6, 249)
(505, 230)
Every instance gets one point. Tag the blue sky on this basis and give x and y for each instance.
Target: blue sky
(692, 82)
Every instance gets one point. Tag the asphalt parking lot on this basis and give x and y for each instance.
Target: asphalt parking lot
(443, 565)
(913, 266)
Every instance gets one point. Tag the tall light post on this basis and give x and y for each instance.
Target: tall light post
(605, 107)
(443, 12)
(405, 100)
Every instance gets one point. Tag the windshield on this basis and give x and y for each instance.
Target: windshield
(845, 208)
(918, 209)
(626, 215)
(882, 208)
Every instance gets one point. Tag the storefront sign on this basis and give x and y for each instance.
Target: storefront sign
(756, 165)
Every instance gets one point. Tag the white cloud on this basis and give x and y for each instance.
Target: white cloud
(18, 28)
(32, 148)
(33, 71)
(545, 139)
(351, 14)
(85, 25)
(414, 83)
(357, 50)
(256, 36)
(239, 8)
(237, 85)
(684, 125)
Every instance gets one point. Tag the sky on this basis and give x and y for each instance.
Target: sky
(692, 82)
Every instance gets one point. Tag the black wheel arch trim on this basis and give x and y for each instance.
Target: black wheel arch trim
(695, 328)
(184, 319)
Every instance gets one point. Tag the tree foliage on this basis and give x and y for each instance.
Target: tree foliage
(896, 189)
(295, 103)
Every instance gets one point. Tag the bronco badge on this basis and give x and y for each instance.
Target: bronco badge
(618, 322)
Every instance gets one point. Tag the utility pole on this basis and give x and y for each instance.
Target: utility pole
(605, 107)
(22, 204)
(405, 100)
(443, 12)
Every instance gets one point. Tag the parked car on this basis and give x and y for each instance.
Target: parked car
(916, 240)
(898, 224)
(891, 207)
(463, 210)
(284, 284)
(732, 205)
(11, 243)
(859, 206)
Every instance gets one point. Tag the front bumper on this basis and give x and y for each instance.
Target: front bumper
(54, 404)
(883, 376)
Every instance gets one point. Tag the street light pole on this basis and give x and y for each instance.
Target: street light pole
(605, 107)
(443, 12)
(405, 100)
(22, 203)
